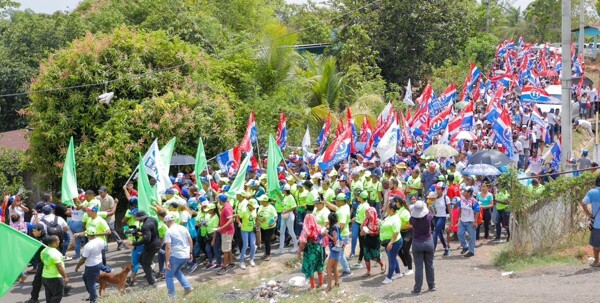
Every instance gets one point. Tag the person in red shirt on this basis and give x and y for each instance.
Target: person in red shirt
(226, 229)
(395, 191)
(452, 192)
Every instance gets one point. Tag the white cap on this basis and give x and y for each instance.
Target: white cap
(168, 218)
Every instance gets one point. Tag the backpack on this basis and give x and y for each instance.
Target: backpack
(52, 228)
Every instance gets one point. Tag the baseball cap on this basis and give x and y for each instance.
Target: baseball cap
(432, 164)
(253, 203)
(39, 227)
(47, 209)
(223, 198)
(263, 198)
(169, 218)
(101, 190)
(468, 189)
(211, 206)
(90, 231)
(170, 191)
(333, 173)
(364, 194)
(285, 187)
(440, 185)
(341, 197)
(367, 173)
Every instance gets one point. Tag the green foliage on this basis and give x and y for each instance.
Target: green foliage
(509, 260)
(481, 48)
(276, 57)
(545, 17)
(308, 18)
(11, 170)
(176, 102)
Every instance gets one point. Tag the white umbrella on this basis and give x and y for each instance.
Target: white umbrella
(464, 135)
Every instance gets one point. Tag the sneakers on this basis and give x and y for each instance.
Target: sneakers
(267, 258)
(468, 255)
(243, 265)
(193, 267)
(294, 250)
(409, 272)
(187, 292)
(346, 274)
(222, 271)
(280, 251)
(497, 240)
(595, 264)
(67, 258)
(350, 256)
(252, 263)
(232, 265)
(358, 265)
(463, 251)
(415, 292)
(213, 266)
(32, 301)
(120, 245)
(386, 281)
(446, 252)
(397, 276)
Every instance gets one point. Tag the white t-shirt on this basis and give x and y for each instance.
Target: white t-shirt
(92, 251)
(50, 218)
(77, 215)
(178, 235)
(184, 217)
(441, 209)
(19, 211)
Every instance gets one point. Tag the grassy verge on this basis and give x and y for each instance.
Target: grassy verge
(571, 252)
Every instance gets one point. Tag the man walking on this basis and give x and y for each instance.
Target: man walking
(226, 230)
(54, 276)
(593, 197)
(468, 214)
(108, 204)
(92, 257)
(179, 251)
(148, 236)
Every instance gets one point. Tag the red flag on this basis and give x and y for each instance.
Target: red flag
(366, 131)
(246, 144)
(405, 132)
(426, 95)
(282, 132)
(350, 122)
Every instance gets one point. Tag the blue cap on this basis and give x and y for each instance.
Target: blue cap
(223, 198)
(178, 180)
(585, 152)
(203, 180)
(95, 208)
(47, 209)
(133, 200)
(133, 211)
(202, 199)
(170, 191)
(185, 192)
(226, 188)
(172, 179)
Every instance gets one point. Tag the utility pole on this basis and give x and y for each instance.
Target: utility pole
(581, 25)
(565, 79)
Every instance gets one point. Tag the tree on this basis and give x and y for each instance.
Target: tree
(276, 57)
(185, 102)
(544, 16)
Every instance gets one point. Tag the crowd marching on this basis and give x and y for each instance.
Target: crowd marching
(369, 192)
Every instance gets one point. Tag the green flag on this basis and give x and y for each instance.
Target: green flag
(69, 177)
(166, 153)
(16, 250)
(275, 158)
(200, 161)
(146, 195)
(240, 178)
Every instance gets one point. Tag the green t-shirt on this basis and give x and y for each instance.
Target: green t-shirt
(355, 185)
(212, 223)
(248, 219)
(369, 186)
(404, 215)
(343, 214)
(137, 224)
(335, 186)
(99, 225)
(322, 216)
(162, 229)
(268, 216)
(303, 199)
(51, 257)
(329, 195)
(174, 214)
(202, 216)
(241, 206)
(92, 203)
(361, 212)
(288, 202)
(312, 196)
(130, 219)
(413, 183)
(279, 205)
(378, 189)
(390, 226)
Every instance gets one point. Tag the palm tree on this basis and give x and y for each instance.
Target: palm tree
(276, 58)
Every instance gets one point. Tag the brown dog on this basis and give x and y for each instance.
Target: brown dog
(117, 279)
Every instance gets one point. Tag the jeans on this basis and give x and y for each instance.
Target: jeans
(466, 227)
(161, 259)
(378, 209)
(423, 255)
(487, 218)
(299, 222)
(136, 254)
(90, 275)
(355, 233)
(214, 252)
(502, 218)
(438, 232)
(77, 227)
(176, 265)
(404, 253)
(66, 243)
(267, 234)
(287, 224)
(393, 266)
(54, 289)
(249, 238)
(114, 233)
(343, 260)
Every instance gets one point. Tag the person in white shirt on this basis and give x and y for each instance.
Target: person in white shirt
(92, 257)
(586, 125)
(178, 251)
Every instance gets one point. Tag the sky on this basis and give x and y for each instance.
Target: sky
(50, 6)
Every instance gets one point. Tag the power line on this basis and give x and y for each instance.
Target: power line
(253, 46)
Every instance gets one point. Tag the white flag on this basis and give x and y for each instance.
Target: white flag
(150, 162)
(387, 110)
(387, 146)
(408, 95)
(445, 137)
(306, 146)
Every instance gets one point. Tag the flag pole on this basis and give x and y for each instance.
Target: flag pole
(258, 151)
(132, 174)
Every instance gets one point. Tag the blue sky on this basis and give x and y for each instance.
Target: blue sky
(50, 6)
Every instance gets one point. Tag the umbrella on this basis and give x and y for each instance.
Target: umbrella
(549, 73)
(464, 135)
(491, 156)
(180, 160)
(481, 170)
(440, 150)
(586, 81)
(460, 105)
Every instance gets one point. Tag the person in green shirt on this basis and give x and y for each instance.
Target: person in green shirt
(54, 276)
(413, 184)
(376, 196)
(406, 233)
(357, 221)
(302, 199)
(327, 192)
(212, 247)
(503, 216)
(389, 234)
(246, 219)
(313, 194)
(287, 219)
(342, 210)
(321, 213)
(267, 220)
(93, 220)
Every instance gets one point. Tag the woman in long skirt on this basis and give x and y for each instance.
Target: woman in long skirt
(310, 250)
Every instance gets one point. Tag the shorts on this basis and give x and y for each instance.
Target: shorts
(334, 255)
(226, 241)
(595, 238)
